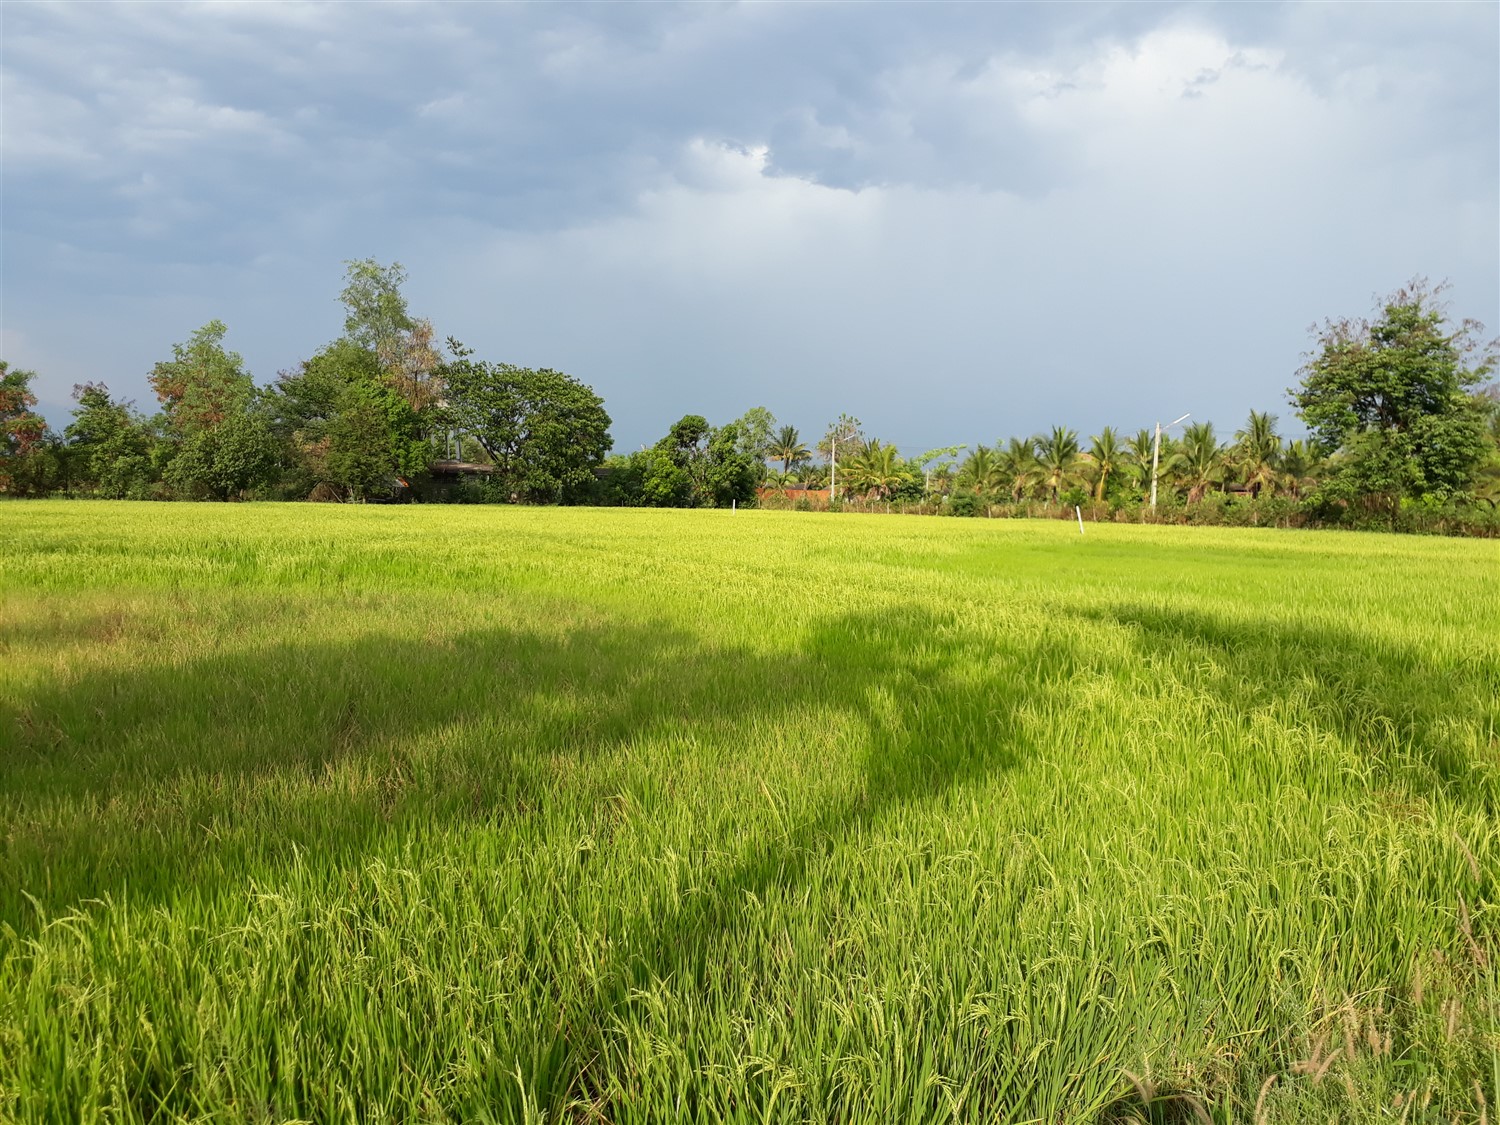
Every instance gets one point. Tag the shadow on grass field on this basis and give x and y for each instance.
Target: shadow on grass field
(169, 782)
(1395, 706)
(144, 786)
(138, 783)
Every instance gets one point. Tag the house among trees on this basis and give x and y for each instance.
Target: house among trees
(460, 470)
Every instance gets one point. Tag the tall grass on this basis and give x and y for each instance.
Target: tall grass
(520, 815)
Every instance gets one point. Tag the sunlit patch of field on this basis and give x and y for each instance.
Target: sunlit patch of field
(468, 814)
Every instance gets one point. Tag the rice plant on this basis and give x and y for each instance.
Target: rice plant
(503, 814)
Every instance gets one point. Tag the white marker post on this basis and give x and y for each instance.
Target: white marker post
(1077, 511)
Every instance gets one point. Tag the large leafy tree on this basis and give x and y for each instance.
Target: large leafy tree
(545, 431)
(346, 425)
(661, 481)
(361, 453)
(21, 428)
(687, 439)
(110, 445)
(718, 473)
(757, 430)
(728, 475)
(28, 460)
(239, 456)
(1393, 395)
(358, 415)
(377, 319)
(694, 466)
(306, 402)
(221, 444)
(202, 384)
(843, 437)
(375, 312)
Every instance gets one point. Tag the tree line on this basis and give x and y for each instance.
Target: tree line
(1402, 428)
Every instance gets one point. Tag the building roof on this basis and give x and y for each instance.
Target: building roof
(459, 468)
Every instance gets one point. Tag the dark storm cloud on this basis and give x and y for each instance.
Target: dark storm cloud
(974, 217)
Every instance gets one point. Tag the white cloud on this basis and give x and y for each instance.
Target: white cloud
(1217, 203)
(992, 215)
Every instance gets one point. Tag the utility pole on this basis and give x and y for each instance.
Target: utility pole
(833, 468)
(1156, 456)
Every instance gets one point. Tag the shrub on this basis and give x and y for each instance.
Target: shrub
(963, 503)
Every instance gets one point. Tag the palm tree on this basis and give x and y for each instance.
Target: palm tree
(788, 448)
(978, 470)
(1487, 481)
(1258, 452)
(1057, 453)
(1171, 464)
(1017, 468)
(1137, 459)
(1108, 457)
(1202, 461)
(877, 469)
(1487, 478)
(940, 478)
(1298, 464)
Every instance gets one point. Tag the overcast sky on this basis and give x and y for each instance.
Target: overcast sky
(954, 222)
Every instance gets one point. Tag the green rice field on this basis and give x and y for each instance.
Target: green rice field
(439, 814)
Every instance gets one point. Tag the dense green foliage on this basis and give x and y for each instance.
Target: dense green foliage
(235, 457)
(544, 432)
(1403, 439)
(427, 814)
(111, 445)
(363, 419)
(202, 385)
(695, 465)
(219, 440)
(376, 316)
(1395, 396)
(1404, 436)
(348, 426)
(27, 464)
